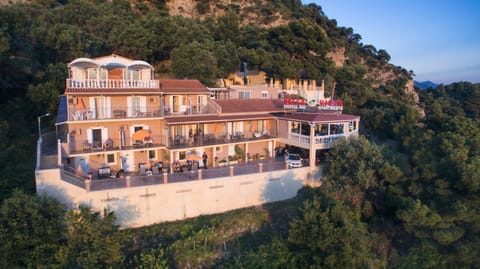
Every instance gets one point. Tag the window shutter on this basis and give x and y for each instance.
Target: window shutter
(108, 109)
(89, 136)
(129, 106)
(143, 104)
(92, 107)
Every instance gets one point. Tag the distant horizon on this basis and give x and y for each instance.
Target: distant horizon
(439, 41)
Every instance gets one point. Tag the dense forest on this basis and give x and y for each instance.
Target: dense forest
(403, 195)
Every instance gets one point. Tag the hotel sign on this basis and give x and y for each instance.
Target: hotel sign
(301, 103)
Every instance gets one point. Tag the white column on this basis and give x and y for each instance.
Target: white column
(59, 153)
(312, 148)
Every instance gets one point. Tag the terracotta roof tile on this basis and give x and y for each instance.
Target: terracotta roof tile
(182, 86)
(214, 118)
(250, 105)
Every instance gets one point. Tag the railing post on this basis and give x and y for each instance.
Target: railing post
(165, 178)
(59, 153)
(128, 181)
(260, 167)
(231, 171)
(88, 183)
(199, 174)
(39, 153)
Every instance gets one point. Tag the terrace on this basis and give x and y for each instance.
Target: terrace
(112, 84)
(137, 179)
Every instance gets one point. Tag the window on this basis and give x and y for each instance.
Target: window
(336, 128)
(324, 129)
(100, 107)
(243, 95)
(152, 154)
(261, 125)
(353, 125)
(264, 94)
(133, 74)
(136, 105)
(92, 73)
(96, 136)
(295, 128)
(200, 103)
(176, 102)
(110, 158)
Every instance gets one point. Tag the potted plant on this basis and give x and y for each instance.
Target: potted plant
(239, 153)
(267, 152)
(232, 159)
(222, 162)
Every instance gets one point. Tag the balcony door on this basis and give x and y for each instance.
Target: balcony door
(136, 105)
(96, 136)
(200, 103)
(100, 107)
(176, 103)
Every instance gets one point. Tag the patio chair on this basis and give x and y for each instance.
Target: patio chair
(148, 141)
(97, 145)
(108, 144)
(87, 146)
(138, 143)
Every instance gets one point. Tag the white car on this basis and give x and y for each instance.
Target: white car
(294, 160)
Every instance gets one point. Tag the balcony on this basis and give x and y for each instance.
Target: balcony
(110, 145)
(323, 142)
(179, 141)
(136, 179)
(114, 113)
(112, 84)
(125, 112)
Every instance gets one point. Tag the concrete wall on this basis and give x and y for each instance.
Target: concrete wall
(146, 205)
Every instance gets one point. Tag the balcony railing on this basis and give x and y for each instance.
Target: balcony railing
(157, 141)
(112, 84)
(182, 110)
(326, 141)
(139, 112)
(110, 144)
(137, 179)
(179, 141)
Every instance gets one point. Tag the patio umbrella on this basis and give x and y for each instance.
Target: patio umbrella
(84, 62)
(140, 134)
(193, 157)
(80, 104)
(112, 64)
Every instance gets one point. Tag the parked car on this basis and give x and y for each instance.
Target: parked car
(294, 160)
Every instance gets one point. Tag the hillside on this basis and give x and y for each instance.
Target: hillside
(282, 38)
(270, 14)
(402, 195)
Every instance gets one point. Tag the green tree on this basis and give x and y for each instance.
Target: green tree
(93, 241)
(195, 61)
(357, 173)
(30, 228)
(227, 58)
(329, 234)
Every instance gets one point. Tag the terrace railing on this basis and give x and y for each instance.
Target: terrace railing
(112, 84)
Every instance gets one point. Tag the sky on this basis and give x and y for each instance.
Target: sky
(438, 39)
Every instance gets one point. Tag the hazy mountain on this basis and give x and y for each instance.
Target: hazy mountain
(425, 84)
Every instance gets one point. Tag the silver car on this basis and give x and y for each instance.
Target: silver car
(294, 160)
